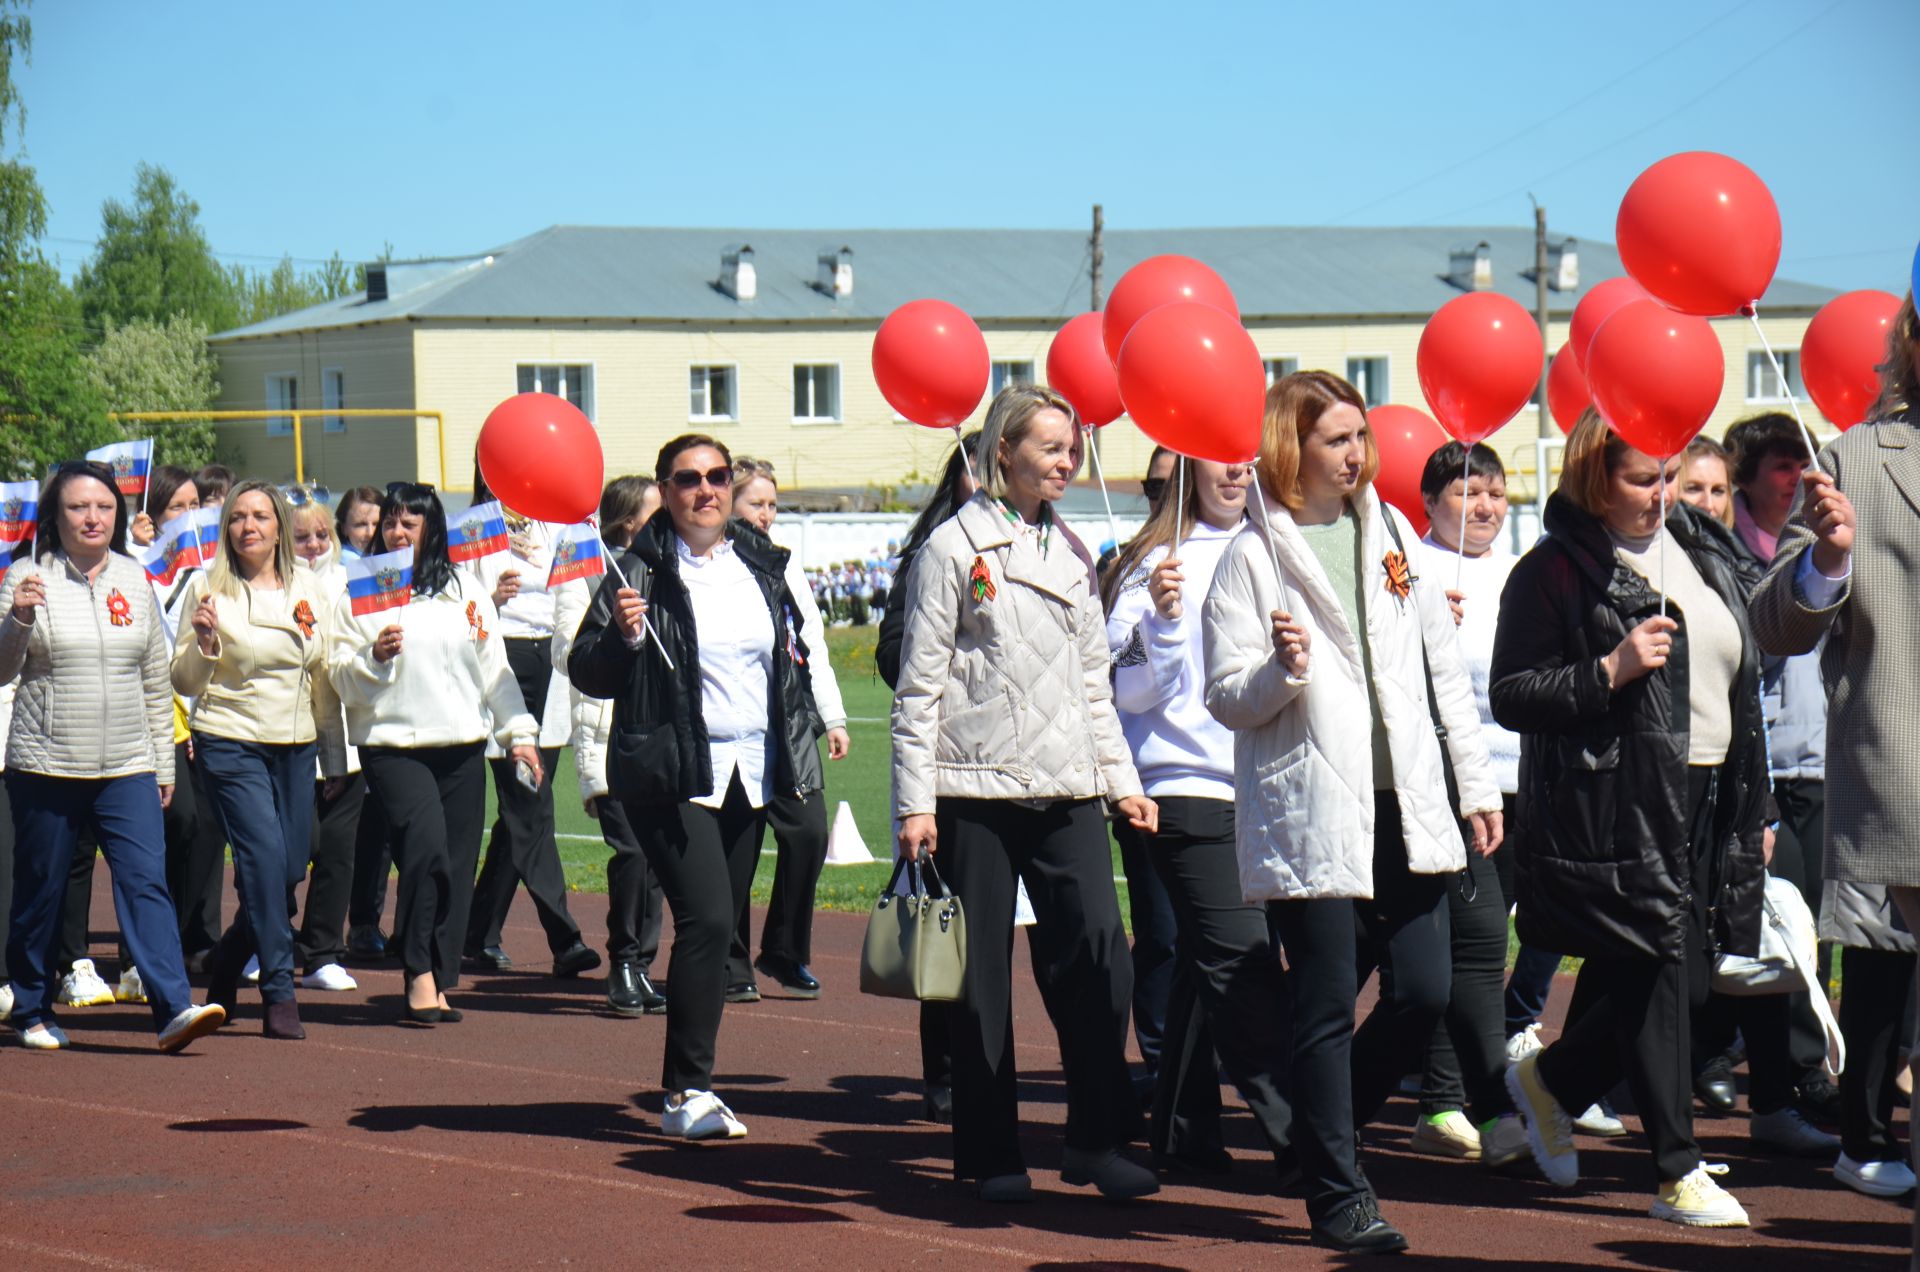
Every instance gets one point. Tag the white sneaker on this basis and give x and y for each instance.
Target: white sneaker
(1549, 1129)
(1597, 1121)
(82, 987)
(6, 999)
(331, 977)
(1875, 1179)
(1696, 1201)
(131, 988)
(699, 1115)
(1524, 1044)
(45, 1037)
(251, 972)
(191, 1023)
(1447, 1134)
(1503, 1142)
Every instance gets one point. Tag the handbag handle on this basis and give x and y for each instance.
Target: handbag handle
(888, 893)
(937, 885)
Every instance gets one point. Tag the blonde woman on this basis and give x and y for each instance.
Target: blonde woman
(252, 656)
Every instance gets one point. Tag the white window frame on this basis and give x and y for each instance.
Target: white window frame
(276, 397)
(995, 383)
(1384, 396)
(1758, 366)
(1268, 359)
(333, 395)
(839, 393)
(733, 391)
(591, 371)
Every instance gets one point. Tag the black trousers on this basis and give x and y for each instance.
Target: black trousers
(322, 938)
(633, 894)
(1467, 1058)
(6, 878)
(1079, 949)
(1874, 988)
(435, 798)
(522, 848)
(196, 857)
(799, 826)
(704, 859)
(372, 864)
(1229, 994)
(1632, 1018)
(1341, 1076)
(1155, 933)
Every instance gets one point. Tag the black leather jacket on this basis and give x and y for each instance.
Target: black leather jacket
(658, 750)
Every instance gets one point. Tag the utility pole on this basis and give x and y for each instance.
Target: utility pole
(1547, 427)
(1097, 245)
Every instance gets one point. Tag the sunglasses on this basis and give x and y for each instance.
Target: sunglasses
(1153, 487)
(690, 478)
(313, 492)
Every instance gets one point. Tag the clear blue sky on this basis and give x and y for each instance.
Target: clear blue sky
(443, 128)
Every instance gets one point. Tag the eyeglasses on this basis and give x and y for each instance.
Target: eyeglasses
(312, 492)
(1153, 488)
(690, 478)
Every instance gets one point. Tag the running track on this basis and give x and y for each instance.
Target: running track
(526, 1137)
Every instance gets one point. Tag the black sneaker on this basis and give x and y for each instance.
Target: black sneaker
(1357, 1228)
(367, 941)
(1713, 1085)
(575, 959)
(795, 978)
(492, 959)
(744, 992)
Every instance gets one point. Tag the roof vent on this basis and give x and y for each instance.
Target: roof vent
(1471, 268)
(836, 273)
(1563, 266)
(376, 282)
(737, 276)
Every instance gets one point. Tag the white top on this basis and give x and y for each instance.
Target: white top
(1160, 676)
(1481, 580)
(1713, 645)
(528, 615)
(736, 667)
(813, 634)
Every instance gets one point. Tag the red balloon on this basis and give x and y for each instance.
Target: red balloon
(1595, 308)
(1479, 362)
(1405, 438)
(1157, 281)
(1191, 378)
(1656, 376)
(541, 457)
(1700, 232)
(1568, 396)
(1079, 369)
(1845, 341)
(931, 363)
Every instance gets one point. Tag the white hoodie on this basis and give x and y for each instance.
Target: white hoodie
(1160, 676)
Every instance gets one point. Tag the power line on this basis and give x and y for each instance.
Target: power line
(215, 252)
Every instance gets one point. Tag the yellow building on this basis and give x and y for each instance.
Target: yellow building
(763, 338)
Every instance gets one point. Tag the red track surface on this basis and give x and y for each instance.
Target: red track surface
(527, 1136)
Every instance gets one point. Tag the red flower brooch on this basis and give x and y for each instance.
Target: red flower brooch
(119, 611)
(980, 580)
(303, 619)
(1400, 575)
(474, 622)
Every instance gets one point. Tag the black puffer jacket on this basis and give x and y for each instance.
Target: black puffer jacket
(658, 751)
(1601, 829)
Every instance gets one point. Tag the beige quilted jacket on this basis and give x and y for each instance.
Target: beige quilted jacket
(1003, 696)
(94, 699)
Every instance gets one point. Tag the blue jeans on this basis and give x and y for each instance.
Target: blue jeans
(262, 793)
(48, 813)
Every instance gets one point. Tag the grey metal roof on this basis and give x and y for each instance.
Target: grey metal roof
(652, 274)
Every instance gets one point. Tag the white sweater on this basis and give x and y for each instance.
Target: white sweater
(1481, 581)
(1160, 676)
(451, 671)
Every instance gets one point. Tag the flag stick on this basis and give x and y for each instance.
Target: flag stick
(646, 628)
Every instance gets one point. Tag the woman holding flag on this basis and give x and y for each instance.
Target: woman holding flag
(91, 742)
(253, 659)
(710, 720)
(417, 659)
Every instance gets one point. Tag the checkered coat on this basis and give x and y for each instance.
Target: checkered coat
(1871, 663)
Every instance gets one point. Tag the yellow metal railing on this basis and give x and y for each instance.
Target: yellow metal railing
(299, 418)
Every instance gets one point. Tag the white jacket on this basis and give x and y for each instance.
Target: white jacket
(1303, 750)
(1003, 697)
(813, 634)
(591, 718)
(532, 613)
(449, 684)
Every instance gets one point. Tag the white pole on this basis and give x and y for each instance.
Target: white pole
(1663, 539)
(1273, 550)
(1113, 527)
(1806, 435)
(966, 456)
(646, 628)
(1466, 480)
(1179, 499)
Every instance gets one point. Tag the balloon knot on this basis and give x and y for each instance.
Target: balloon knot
(1747, 311)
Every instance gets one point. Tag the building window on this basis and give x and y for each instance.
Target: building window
(1369, 375)
(333, 396)
(1016, 372)
(1278, 368)
(816, 393)
(711, 392)
(1763, 382)
(283, 394)
(572, 381)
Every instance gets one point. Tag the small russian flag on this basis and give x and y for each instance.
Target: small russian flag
(381, 582)
(577, 554)
(481, 531)
(130, 462)
(19, 509)
(187, 541)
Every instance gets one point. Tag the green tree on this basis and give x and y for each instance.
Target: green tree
(152, 261)
(160, 366)
(283, 289)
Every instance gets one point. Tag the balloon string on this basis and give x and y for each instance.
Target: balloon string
(1663, 539)
(1460, 562)
(1179, 499)
(1113, 527)
(1273, 550)
(966, 456)
(1806, 436)
(646, 628)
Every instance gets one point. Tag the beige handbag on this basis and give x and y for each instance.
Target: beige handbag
(916, 943)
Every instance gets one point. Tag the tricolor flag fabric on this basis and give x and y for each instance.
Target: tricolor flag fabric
(189, 540)
(19, 509)
(481, 531)
(130, 462)
(380, 582)
(577, 554)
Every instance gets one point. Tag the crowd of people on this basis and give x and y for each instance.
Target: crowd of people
(1334, 749)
